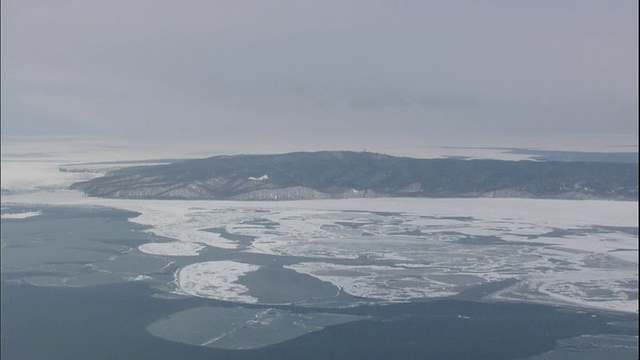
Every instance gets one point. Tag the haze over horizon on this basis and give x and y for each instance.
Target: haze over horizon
(252, 76)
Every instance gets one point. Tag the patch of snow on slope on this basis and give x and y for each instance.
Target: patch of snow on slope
(263, 177)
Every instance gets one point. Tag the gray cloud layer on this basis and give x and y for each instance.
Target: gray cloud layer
(328, 73)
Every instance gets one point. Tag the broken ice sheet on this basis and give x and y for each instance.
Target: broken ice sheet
(241, 328)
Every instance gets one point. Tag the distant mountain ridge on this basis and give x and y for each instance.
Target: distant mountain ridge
(345, 174)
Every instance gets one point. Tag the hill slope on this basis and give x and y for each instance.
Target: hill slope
(343, 174)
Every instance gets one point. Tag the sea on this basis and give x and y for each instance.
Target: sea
(74, 285)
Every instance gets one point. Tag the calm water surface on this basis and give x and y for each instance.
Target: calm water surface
(60, 300)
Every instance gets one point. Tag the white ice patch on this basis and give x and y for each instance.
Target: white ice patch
(263, 177)
(22, 215)
(589, 288)
(376, 282)
(138, 278)
(216, 280)
(175, 220)
(171, 248)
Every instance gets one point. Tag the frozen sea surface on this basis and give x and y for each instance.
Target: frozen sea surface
(296, 275)
(573, 253)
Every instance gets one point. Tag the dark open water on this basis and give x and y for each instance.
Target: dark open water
(109, 321)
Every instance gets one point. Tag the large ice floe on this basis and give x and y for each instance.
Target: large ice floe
(241, 328)
(217, 280)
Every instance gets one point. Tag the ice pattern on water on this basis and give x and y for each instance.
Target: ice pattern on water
(577, 253)
(403, 249)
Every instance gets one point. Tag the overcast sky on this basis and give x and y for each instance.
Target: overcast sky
(321, 74)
